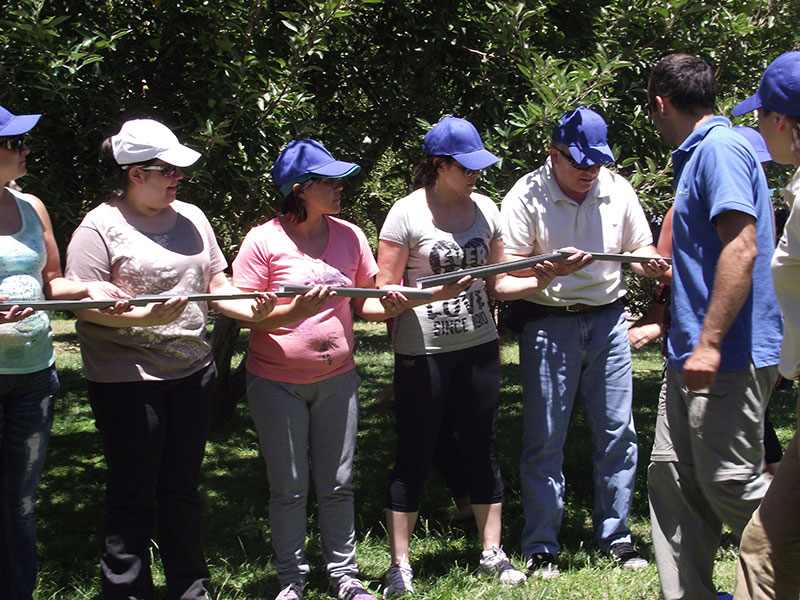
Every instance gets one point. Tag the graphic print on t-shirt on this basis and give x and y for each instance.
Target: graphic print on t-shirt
(325, 343)
(457, 314)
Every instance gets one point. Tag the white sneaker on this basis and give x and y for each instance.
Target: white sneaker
(353, 589)
(293, 591)
(495, 563)
(398, 580)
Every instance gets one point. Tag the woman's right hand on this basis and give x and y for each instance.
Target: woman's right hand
(161, 313)
(451, 290)
(312, 301)
(13, 314)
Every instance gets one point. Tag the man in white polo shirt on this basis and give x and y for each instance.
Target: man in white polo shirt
(574, 334)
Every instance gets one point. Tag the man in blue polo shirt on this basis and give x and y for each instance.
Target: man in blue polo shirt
(724, 343)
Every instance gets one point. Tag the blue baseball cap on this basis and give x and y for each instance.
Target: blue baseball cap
(458, 138)
(779, 89)
(11, 124)
(301, 160)
(584, 132)
(756, 141)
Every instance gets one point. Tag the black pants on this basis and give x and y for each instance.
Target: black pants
(154, 435)
(463, 385)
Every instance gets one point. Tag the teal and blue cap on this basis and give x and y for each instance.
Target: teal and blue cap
(11, 124)
(756, 141)
(302, 160)
(779, 90)
(584, 133)
(456, 137)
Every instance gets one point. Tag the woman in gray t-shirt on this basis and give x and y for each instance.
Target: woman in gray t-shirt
(447, 360)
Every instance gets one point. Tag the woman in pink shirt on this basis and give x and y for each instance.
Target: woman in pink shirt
(302, 385)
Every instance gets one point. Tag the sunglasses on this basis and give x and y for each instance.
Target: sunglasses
(166, 170)
(329, 181)
(14, 143)
(576, 164)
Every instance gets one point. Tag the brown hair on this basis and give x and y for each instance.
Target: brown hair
(795, 120)
(427, 172)
(293, 208)
(115, 172)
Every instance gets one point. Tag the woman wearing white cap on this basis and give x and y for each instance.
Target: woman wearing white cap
(302, 386)
(770, 550)
(150, 371)
(447, 358)
(30, 270)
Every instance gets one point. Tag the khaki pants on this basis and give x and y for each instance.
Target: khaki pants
(769, 558)
(705, 470)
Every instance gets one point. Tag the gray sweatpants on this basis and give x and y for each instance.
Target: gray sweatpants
(292, 419)
(705, 470)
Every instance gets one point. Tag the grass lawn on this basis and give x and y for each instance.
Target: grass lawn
(237, 530)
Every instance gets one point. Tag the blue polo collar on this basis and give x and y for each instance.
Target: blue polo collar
(682, 152)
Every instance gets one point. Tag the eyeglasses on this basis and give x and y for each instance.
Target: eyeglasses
(576, 164)
(14, 143)
(166, 170)
(469, 172)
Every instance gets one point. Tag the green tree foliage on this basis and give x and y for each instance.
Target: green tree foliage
(238, 79)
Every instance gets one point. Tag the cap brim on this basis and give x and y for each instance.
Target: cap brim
(337, 168)
(19, 125)
(480, 159)
(746, 106)
(763, 155)
(592, 155)
(179, 156)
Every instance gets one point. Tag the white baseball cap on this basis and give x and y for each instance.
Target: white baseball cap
(141, 140)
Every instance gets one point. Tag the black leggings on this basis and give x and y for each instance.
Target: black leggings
(463, 385)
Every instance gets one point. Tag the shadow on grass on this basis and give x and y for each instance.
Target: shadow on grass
(236, 494)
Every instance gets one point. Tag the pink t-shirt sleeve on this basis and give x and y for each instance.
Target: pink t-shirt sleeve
(367, 268)
(251, 265)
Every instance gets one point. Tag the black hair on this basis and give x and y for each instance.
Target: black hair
(688, 81)
(427, 172)
(115, 172)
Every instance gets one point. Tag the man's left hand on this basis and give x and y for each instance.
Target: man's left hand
(655, 267)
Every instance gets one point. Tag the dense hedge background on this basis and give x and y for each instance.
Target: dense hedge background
(238, 79)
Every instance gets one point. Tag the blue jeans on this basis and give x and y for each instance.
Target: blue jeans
(559, 355)
(26, 415)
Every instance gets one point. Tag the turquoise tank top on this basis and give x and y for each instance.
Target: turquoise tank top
(25, 346)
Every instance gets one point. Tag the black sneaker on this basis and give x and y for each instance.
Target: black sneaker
(624, 554)
(543, 565)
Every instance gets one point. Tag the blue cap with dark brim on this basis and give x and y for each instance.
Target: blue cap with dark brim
(301, 160)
